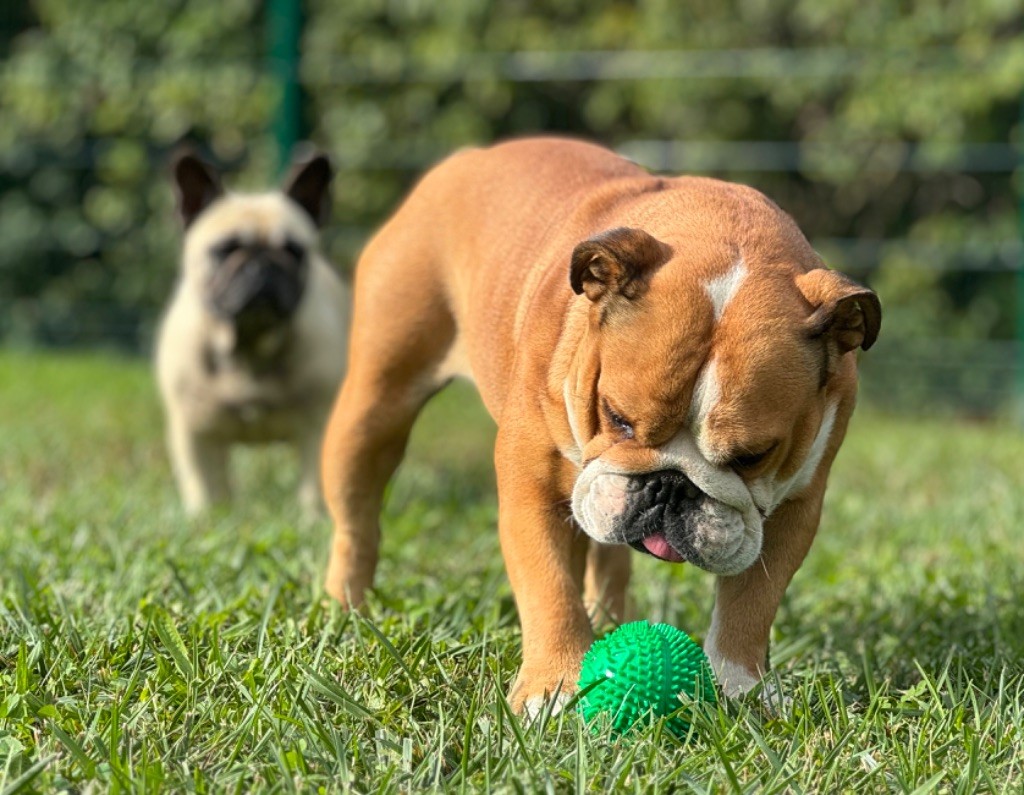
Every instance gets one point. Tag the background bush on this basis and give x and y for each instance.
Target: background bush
(886, 129)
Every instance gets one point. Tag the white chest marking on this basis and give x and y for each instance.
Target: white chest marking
(722, 288)
(805, 474)
(769, 494)
(706, 393)
(575, 453)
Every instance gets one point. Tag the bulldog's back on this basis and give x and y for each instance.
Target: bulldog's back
(497, 227)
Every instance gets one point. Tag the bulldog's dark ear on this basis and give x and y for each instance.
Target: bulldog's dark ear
(844, 311)
(614, 262)
(308, 184)
(196, 184)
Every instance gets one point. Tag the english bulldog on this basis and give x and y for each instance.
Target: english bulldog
(251, 348)
(670, 365)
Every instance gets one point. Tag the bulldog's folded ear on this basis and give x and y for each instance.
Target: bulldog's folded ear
(196, 184)
(844, 311)
(308, 184)
(614, 262)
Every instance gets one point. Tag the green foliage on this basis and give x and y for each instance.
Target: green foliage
(94, 95)
(140, 652)
(903, 113)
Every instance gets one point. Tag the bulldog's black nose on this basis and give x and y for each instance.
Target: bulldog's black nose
(666, 504)
(668, 487)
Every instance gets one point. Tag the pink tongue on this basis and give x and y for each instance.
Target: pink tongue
(658, 546)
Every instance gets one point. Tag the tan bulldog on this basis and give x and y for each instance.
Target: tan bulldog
(670, 365)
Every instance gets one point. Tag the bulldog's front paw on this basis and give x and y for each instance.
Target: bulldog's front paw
(736, 681)
(537, 691)
(773, 700)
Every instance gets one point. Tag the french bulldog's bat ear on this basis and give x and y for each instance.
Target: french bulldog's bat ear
(614, 262)
(196, 185)
(847, 312)
(308, 184)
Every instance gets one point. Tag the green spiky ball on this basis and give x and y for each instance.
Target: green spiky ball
(640, 670)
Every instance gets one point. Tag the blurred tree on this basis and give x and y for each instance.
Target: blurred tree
(884, 128)
(94, 94)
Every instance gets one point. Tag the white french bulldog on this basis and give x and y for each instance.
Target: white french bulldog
(253, 344)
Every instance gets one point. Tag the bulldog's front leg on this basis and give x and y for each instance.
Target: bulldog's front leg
(545, 555)
(745, 604)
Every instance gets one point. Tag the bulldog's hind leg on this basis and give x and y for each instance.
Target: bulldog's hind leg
(401, 333)
(605, 586)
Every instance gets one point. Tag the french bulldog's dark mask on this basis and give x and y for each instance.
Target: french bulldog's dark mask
(256, 286)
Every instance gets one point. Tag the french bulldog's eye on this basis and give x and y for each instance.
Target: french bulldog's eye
(618, 421)
(226, 248)
(295, 251)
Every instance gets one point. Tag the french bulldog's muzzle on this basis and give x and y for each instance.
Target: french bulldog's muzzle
(258, 288)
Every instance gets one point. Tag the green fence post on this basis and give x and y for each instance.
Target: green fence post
(1019, 181)
(284, 31)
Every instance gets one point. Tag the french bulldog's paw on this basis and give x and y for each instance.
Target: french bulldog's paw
(348, 578)
(196, 508)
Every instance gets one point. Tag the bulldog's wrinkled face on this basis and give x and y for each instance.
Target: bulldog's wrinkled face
(699, 400)
(248, 255)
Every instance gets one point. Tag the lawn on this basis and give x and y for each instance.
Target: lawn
(141, 652)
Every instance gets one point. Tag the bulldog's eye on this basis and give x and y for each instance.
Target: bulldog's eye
(294, 250)
(750, 460)
(226, 248)
(618, 421)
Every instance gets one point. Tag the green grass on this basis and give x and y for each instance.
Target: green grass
(139, 652)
